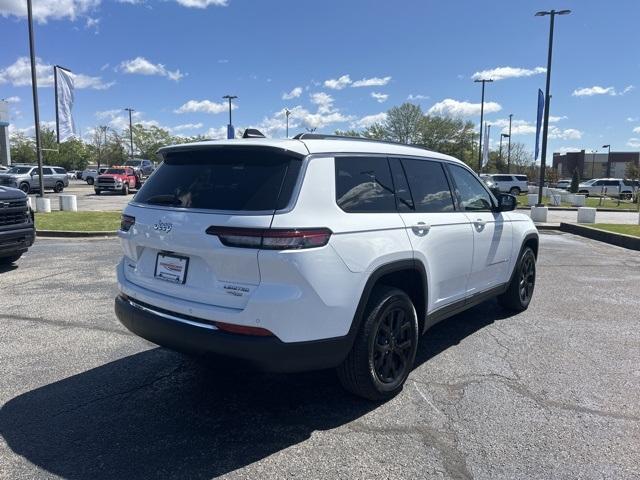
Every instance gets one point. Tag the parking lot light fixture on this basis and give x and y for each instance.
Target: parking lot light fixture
(483, 81)
(287, 112)
(608, 147)
(547, 97)
(229, 98)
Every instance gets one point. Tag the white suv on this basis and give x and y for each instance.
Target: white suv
(513, 184)
(611, 187)
(316, 252)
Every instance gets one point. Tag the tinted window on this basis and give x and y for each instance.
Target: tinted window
(47, 171)
(612, 183)
(473, 196)
(429, 186)
(404, 199)
(522, 178)
(502, 178)
(59, 170)
(363, 184)
(237, 179)
(19, 170)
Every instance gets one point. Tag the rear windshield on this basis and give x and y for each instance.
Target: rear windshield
(235, 179)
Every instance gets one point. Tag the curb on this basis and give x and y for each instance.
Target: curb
(73, 234)
(575, 209)
(618, 239)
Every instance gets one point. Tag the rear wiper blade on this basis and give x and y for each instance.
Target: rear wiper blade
(164, 200)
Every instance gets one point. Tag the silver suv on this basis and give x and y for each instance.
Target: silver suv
(26, 178)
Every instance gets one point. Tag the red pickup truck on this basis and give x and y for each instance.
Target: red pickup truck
(117, 179)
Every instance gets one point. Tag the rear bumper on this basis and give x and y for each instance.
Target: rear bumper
(201, 338)
(13, 242)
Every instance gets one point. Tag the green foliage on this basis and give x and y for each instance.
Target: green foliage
(575, 181)
(23, 149)
(71, 155)
(631, 172)
(147, 140)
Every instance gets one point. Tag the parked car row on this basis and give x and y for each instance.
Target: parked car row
(27, 178)
(513, 184)
(612, 187)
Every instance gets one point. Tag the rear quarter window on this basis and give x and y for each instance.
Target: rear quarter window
(223, 178)
(363, 185)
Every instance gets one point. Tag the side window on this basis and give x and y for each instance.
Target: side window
(363, 185)
(47, 171)
(502, 178)
(473, 196)
(403, 194)
(612, 183)
(598, 183)
(59, 170)
(429, 186)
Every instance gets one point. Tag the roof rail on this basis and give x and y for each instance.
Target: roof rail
(323, 136)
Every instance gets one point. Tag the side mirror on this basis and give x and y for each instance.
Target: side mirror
(506, 202)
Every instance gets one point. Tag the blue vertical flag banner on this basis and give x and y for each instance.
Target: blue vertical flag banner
(539, 121)
(230, 131)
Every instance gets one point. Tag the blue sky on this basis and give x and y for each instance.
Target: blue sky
(335, 64)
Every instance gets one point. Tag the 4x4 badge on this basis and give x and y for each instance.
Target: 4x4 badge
(163, 227)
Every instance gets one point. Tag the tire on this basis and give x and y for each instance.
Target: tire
(25, 187)
(90, 180)
(520, 290)
(125, 189)
(515, 191)
(98, 192)
(584, 192)
(9, 260)
(59, 187)
(369, 370)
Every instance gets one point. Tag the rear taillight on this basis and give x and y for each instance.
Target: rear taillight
(272, 239)
(126, 222)
(243, 330)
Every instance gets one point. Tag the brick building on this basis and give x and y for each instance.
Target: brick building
(594, 165)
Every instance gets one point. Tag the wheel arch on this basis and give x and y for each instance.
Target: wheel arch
(407, 275)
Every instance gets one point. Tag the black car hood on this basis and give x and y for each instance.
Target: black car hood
(7, 193)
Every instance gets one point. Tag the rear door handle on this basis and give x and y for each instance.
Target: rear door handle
(421, 229)
(480, 223)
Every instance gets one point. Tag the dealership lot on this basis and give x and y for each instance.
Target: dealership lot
(549, 393)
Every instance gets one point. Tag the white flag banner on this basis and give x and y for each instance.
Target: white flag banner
(485, 145)
(65, 95)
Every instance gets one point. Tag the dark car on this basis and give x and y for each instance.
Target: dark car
(17, 228)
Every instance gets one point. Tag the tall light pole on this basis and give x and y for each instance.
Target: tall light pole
(503, 135)
(103, 130)
(547, 97)
(34, 88)
(130, 110)
(483, 81)
(230, 133)
(608, 160)
(509, 146)
(287, 112)
(593, 161)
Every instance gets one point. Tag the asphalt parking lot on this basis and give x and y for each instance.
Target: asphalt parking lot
(87, 198)
(549, 393)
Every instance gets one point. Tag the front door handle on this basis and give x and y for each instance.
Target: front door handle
(421, 229)
(480, 223)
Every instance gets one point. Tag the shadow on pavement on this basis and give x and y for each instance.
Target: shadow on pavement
(157, 414)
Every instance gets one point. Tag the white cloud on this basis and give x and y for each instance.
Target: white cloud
(202, 3)
(553, 119)
(636, 130)
(417, 97)
(566, 134)
(633, 119)
(295, 93)
(380, 97)
(369, 120)
(338, 83)
(92, 23)
(372, 82)
(13, 99)
(500, 73)
(518, 127)
(324, 102)
(19, 74)
(564, 150)
(204, 106)
(44, 10)
(216, 133)
(187, 126)
(454, 108)
(598, 90)
(634, 143)
(142, 66)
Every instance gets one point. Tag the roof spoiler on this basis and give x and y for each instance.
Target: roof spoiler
(252, 133)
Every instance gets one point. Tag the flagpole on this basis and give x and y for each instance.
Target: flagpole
(55, 89)
(34, 87)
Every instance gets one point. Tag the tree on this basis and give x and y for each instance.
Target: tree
(632, 171)
(23, 148)
(575, 181)
(147, 140)
(403, 123)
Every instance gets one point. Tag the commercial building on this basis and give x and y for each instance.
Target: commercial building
(594, 165)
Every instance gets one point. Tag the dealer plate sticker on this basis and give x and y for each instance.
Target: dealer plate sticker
(172, 268)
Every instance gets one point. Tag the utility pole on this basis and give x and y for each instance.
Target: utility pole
(502, 135)
(483, 81)
(130, 110)
(230, 133)
(103, 130)
(34, 88)
(608, 160)
(547, 97)
(509, 146)
(287, 112)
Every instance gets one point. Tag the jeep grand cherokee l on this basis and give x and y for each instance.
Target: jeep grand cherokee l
(316, 252)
